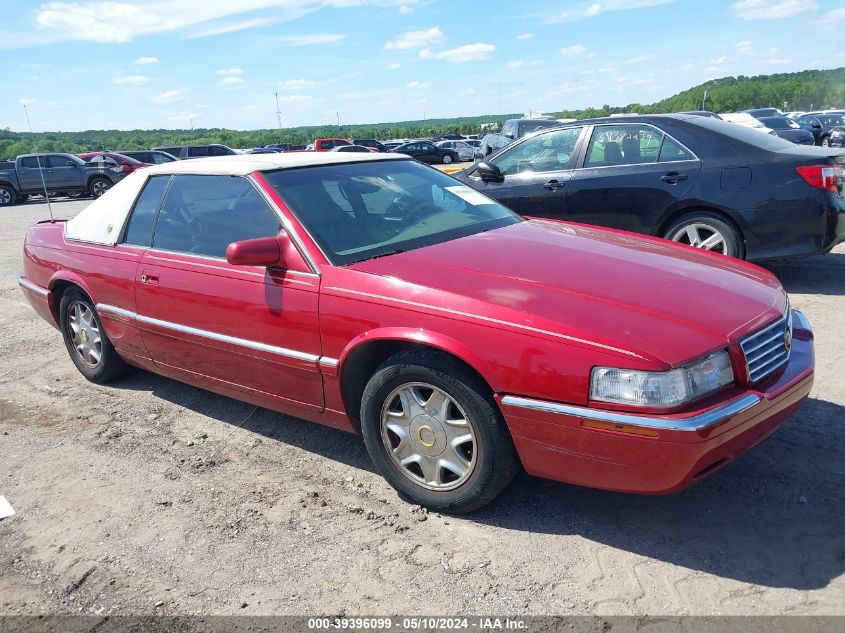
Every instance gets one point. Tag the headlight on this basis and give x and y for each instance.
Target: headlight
(664, 388)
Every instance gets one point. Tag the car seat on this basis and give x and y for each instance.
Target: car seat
(612, 153)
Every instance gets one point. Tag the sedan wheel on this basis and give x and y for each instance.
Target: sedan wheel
(434, 432)
(99, 187)
(706, 231)
(826, 141)
(87, 343)
(428, 436)
(447, 159)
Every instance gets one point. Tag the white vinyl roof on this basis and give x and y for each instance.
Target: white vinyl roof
(102, 220)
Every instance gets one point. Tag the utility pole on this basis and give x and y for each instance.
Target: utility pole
(278, 111)
(192, 125)
(704, 101)
(338, 119)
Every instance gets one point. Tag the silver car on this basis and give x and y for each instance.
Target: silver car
(465, 151)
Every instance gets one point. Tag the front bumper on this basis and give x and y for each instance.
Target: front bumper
(654, 454)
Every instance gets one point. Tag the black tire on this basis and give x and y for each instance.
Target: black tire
(98, 186)
(495, 459)
(709, 222)
(109, 366)
(8, 196)
(825, 141)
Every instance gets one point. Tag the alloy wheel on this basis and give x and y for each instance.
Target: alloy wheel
(701, 235)
(99, 188)
(85, 333)
(428, 436)
(5, 196)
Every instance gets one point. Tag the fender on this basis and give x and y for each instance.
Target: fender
(68, 276)
(424, 337)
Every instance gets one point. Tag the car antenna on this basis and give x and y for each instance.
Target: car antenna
(40, 171)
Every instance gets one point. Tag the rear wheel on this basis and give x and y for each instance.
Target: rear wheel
(87, 343)
(706, 231)
(8, 196)
(433, 431)
(99, 186)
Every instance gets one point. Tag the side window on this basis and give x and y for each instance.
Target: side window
(139, 231)
(54, 160)
(217, 151)
(198, 151)
(623, 145)
(204, 214)
(672, 151)
(157, 159)
(552, 151)
(31, 162)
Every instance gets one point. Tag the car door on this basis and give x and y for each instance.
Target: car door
(29, 173)
(631, 175)
(428, 153)
(62, 171)
(249, 328)
(536, 173)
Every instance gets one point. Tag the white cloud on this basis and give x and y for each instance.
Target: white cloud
(169, 96)
(26, 101)
(745, 46)
(592, 9)
(295, 84)
(517, 63)
(146, 61)
(405, 9)
(834, 16)
(416, 39)
(719, 60)
(462, 54)
(576, 50)
(524, 36)
(771, 9)
(232, 80)
(117, 21)
(230, 72)
(416, 85)
(310, 39)
(130, 80)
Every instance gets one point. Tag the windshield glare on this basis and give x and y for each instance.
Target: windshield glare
(358, 211)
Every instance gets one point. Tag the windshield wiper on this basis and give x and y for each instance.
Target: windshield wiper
(387, 254)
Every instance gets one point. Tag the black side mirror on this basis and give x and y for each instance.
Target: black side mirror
(489, 172)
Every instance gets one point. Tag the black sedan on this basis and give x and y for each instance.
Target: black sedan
(695, 180)
(427, 152)
(827, 127)
(788, 129)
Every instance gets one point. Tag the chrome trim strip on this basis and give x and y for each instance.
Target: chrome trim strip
(711, 417)
(214, 336)
(487, 319)
(26, 283)
(325, 361)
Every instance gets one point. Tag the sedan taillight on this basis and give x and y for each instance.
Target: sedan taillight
(824, 177)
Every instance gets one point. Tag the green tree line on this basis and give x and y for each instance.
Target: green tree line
(800, 91)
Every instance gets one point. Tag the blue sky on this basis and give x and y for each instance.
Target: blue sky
(165, 63)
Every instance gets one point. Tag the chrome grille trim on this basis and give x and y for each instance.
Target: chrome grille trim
(765, 350)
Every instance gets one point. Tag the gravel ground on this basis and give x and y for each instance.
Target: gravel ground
(120, 512)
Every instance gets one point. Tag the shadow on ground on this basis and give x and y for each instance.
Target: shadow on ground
(822, 275)
(774, 517)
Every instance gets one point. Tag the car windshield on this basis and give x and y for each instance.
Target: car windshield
(532, 126)
(778, 123)
(358, 211)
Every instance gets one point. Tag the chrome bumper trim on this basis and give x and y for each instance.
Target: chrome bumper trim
(711, 417)
(26, 283)
(802, 320)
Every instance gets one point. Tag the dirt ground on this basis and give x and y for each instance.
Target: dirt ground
(119, 512)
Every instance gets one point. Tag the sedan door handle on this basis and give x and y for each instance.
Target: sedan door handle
(149, 279)
(673, 178)
(554, 185)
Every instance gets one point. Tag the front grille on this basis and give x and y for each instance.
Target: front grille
(768, 349)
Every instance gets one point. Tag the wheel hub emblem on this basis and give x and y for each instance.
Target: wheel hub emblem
(427, 436)
(84, 336)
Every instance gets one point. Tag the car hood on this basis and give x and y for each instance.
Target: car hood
(628, 294)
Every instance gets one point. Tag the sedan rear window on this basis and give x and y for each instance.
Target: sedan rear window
(363, 210)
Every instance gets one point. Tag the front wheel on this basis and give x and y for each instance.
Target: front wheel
(87, 343)
(99, 186)
(8, 196)
(447, 159)
(706, 231)
(826, 141)
(433, 431)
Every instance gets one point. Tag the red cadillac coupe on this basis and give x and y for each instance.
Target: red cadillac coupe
(377, 295)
